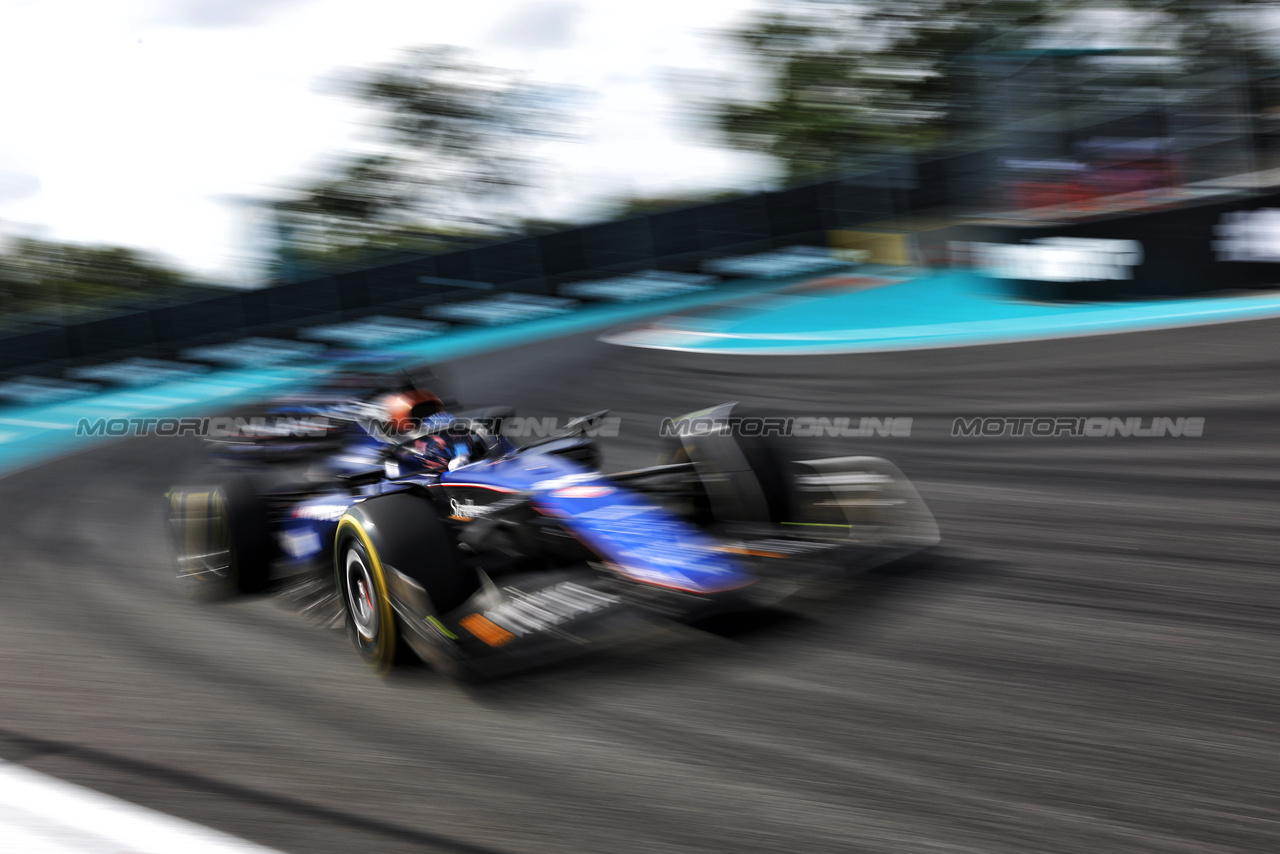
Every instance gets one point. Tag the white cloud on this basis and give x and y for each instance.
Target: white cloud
(538, 25)
(219, 13)
(138, 123)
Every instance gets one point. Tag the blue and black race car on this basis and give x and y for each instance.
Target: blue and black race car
(444, 541)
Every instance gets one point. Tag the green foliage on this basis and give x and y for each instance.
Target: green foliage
(452, 143)
(850, 78)
(37, 274)
(846, 78)
(638, 205)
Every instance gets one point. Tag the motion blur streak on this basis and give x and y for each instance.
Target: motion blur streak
(1087, 665)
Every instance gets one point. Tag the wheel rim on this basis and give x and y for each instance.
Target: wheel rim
(361, 595)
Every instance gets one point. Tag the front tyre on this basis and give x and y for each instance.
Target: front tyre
(362, 583)
(394, 560)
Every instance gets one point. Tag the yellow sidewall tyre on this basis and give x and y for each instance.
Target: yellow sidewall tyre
(362, 584)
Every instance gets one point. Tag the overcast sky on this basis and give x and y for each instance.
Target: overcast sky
(140, 122)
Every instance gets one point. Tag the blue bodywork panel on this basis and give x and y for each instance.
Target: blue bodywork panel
(636, 537)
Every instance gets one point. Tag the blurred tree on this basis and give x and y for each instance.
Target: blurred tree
(37, 274)
(844, 78)
(629, 206)
(1200, 26)
(1208, 31)
(451, 149)
(840, 78)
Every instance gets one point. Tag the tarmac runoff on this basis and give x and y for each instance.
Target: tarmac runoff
(881, 312)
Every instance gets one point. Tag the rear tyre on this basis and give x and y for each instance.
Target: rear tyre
(744, 478)
(768, 463)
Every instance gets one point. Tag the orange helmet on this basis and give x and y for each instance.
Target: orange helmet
(404, 410)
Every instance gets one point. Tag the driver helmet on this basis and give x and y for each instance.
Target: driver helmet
(406, 410)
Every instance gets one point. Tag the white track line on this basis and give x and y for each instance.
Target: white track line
(894, 345)
(43, 815)
(43, 425)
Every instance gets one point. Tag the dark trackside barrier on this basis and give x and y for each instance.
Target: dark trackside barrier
(1220, 245)
(672, 241)
(1227, 243)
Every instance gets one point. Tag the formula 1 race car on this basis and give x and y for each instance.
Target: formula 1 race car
(326, 416)
(496, 556)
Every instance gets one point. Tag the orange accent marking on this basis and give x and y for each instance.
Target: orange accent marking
(487, 630)
(753, 552)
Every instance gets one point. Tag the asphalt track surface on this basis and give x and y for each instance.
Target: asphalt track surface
(1088, 663)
